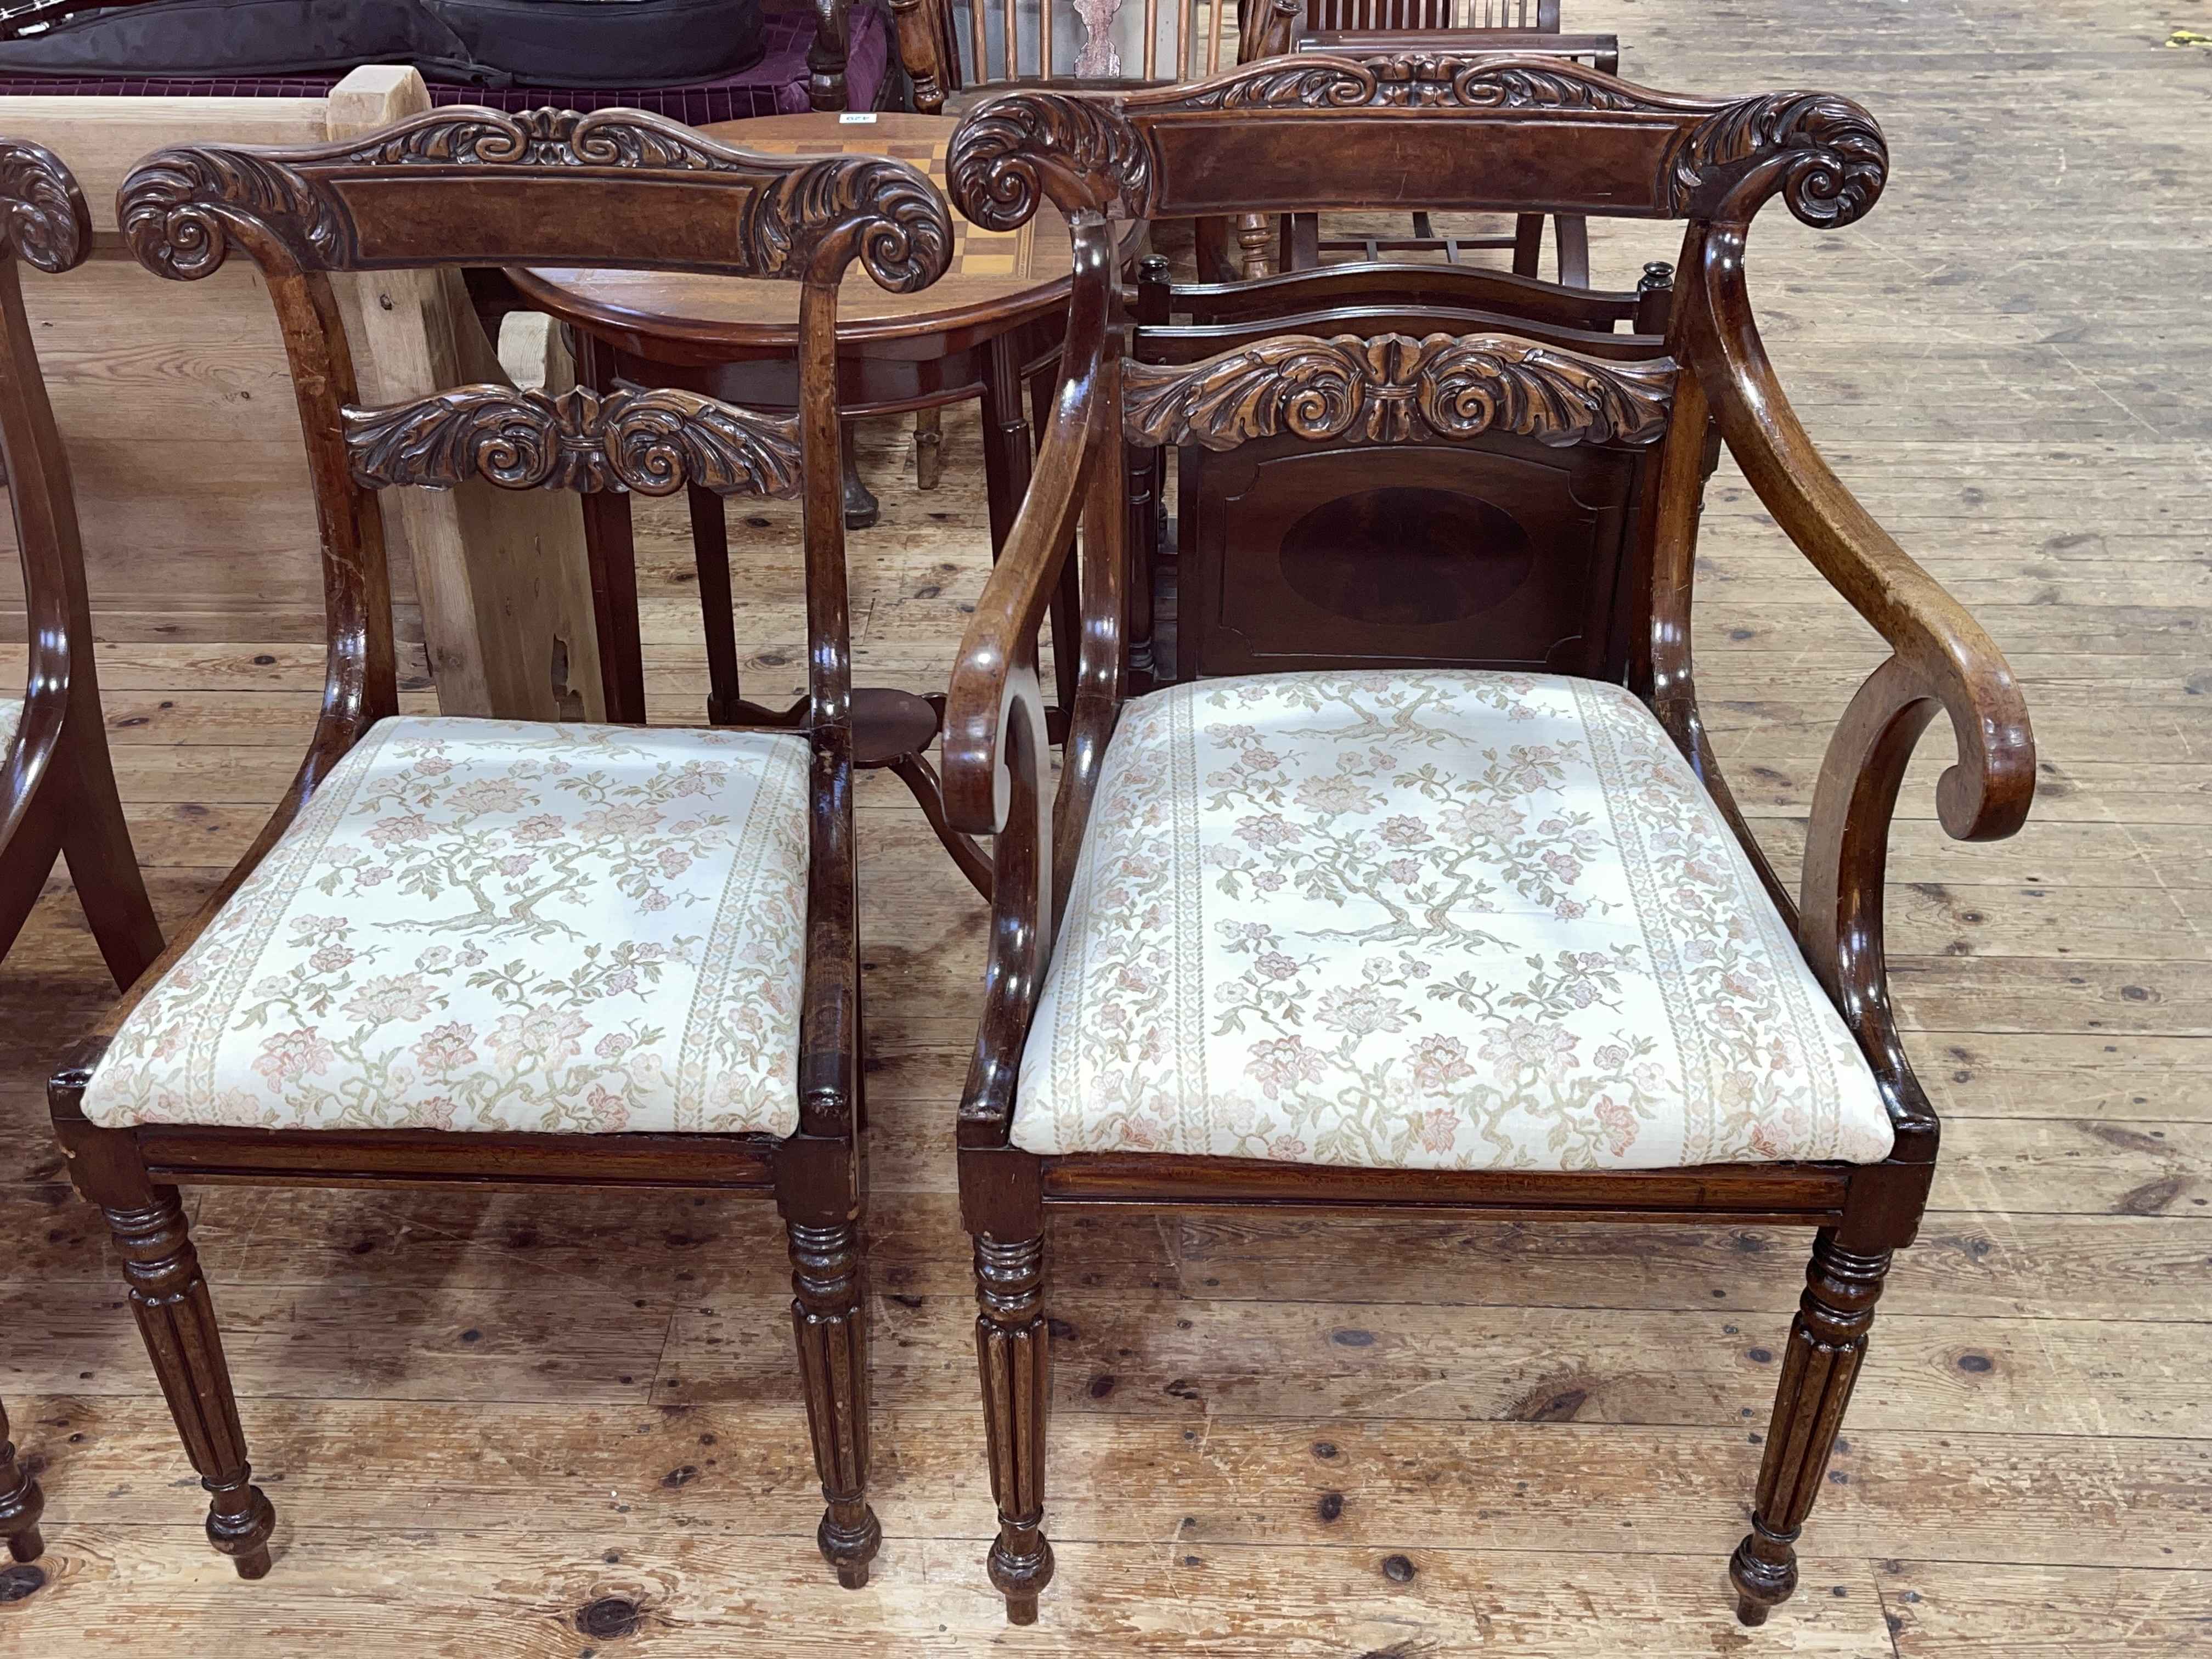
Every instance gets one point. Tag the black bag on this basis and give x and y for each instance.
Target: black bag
(547, 43)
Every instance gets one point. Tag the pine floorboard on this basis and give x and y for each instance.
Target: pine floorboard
(567, 1427)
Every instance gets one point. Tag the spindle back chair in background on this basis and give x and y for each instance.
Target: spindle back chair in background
(1535, 15)
(1370, 29)
(956, 55)
(980, 44)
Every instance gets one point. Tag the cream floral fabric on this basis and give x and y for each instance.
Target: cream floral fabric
(1427, 920)
(11, 717)
(499, 925)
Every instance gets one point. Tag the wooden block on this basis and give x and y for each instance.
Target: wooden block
(507, 602)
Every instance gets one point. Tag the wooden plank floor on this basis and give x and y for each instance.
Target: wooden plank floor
(569, 1425)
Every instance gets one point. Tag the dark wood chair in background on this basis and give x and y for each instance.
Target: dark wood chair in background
(1403, 924)
(1072, 45)
(58, 795)
(1368, 28)
(56, 783)
(495, 952)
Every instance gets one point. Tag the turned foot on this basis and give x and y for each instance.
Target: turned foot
(849, 1548)
(1014, 1346)
(1020, 1576)
(1764, 1570)
(830, 1324)
(239, 1525)
(20, 1502)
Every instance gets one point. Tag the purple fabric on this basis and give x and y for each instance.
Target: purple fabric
(775, 86)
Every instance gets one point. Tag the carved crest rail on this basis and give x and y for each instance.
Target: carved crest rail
(1822, 153)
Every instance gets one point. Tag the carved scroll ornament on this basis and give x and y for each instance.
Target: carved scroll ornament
(43, 219)
(654, 442)
(178, 206)
(1413, 80)
(1834, 158)
(1004, 155)
(1395, 389)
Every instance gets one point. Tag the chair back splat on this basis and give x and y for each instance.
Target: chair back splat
(614, 188)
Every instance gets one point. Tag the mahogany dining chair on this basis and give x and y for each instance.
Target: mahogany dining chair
(501, 953)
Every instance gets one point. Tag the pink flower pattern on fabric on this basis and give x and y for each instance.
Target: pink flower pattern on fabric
(1434, 919)
(498, 925)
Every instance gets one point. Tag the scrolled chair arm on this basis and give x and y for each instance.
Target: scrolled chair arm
(996, 754)
(1000, 647)
(1941, 661)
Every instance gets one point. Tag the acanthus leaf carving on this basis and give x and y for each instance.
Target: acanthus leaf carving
(905, 228)
(652, 441)
(1290, 83)
(1008, 149)
(177, 206)
(906, 236)
(43, 218)
(1835, 159)
(1415, 80)
(1393, 388)
(548, 137)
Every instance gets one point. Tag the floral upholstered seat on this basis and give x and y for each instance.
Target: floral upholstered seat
(1435, 920)
(11, 716)
(499, 925)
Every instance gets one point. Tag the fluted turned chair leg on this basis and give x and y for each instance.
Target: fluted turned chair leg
(1013, 1348)
(21, 1502)
(831, 1326)
(1827, 1342)
(176, 1316)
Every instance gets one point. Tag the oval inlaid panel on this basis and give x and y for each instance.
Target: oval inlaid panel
(1405, 557)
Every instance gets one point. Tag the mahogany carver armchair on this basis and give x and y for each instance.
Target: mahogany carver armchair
(58, 795)
(1409, 925)
(499, 952)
